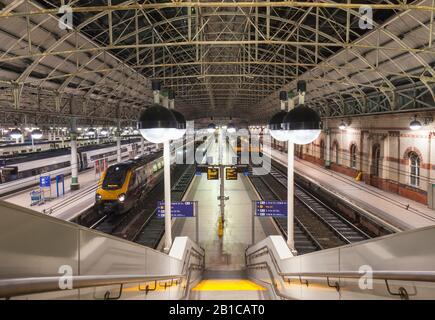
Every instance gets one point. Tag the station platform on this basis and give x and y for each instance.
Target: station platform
(395, 210)
(225, 253)
(66, 206)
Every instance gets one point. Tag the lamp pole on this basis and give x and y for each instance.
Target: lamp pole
(290, 196)
(303, 126)
(158, 124)
(290, 187)
(167, 187)
(167, 172)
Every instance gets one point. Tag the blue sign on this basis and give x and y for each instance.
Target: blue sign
(44, 182)
(271, 208)
(179, 209)
(60, 180)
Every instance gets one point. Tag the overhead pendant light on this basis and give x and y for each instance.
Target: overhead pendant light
(104, 132)
(91, 132)
(342, 125)
(302, 123)
(211, 128)
(415, 124)
(181, 125)
(179, 117)
(157, 124)
(36, 134)
(275, 127)
(231, 128)
(15, 133)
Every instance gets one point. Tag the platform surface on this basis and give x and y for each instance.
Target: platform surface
(226, 252)
(399, 211)
(65, 206)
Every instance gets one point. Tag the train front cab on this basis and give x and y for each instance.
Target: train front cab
(112, 196)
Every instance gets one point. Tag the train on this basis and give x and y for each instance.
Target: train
(21, 171)
(123, 184)
(243, 144)
(8, 148)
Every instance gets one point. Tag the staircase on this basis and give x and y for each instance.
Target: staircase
(227, 285)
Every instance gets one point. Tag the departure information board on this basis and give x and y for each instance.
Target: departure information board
(212, 173)
(231, 173)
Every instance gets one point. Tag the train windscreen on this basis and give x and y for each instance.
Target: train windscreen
(114, 178)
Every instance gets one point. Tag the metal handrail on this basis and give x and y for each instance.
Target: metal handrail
(33, 285)
(420, 276)
(412, 276)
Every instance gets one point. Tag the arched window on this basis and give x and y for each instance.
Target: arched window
(335, 149)
(414, 169)
(376, 160)
(322, 150)
(353, 156)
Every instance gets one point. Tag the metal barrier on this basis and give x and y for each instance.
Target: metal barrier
(42, 251)
(26, 286)
(398, 271)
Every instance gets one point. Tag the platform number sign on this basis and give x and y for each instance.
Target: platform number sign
(44, 182)
(230, 173)
(212, 173)
(179, 209)
(271, 208)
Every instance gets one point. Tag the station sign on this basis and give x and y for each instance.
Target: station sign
(231, 173)
(212, 173)
(271, 209)
(179, 209)
(44, 182)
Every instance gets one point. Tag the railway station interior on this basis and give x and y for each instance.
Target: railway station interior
(217, 150)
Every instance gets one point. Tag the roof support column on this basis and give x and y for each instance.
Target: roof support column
(118, 143)
(74, 158)
(142, 145)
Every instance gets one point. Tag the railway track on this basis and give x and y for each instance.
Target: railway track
(339, 225)
(140, 224)
(153, 227)
(305, 242)
(324, 223)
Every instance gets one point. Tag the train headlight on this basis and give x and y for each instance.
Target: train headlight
(121, 197)
(98, 197)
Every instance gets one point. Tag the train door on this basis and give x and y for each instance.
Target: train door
(84, 161)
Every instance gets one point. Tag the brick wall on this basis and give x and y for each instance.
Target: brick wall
(383, 184)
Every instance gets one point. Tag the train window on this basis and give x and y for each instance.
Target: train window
(133, 180)
(8, 174)
(114, 178)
